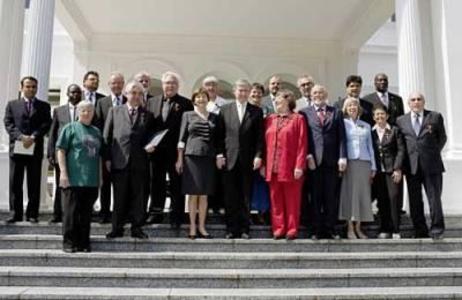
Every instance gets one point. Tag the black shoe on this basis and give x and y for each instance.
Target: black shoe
(191, 236)
(55, 220)
(84, 249)
(114, 234)
(13, 220)
(333, 236)
(204, 236)
(245, 236)
(175, 225)
(277, 237)
(230, 236)
(105, 219)
(69, 249)
(156, 218)
(437, 236)
(32, 220)
(139, 234)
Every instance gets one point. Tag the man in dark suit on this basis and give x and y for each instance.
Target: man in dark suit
(353, 89)
(27, 120)
(392, 102)
(425, 137)
(62, 115)
(90, 85)
(116, 85)
(127, 131)
(168, 110)
(326, 141)
(240, 146)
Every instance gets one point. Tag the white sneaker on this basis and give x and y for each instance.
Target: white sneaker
(396, 236)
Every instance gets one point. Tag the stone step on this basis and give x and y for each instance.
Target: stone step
(228, 278)
(127, 244)
(396, 293)
(231, 260)
(217, 230)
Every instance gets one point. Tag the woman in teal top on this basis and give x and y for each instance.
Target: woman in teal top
(79, 159)
(355, 195)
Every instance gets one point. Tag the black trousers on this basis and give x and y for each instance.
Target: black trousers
(307, 214)
(237, 184)
(388, 194)
(33, 165)
(129, 197)
(163, 163)
(324, 199)
(433, 185)
(105, 194)
(216, 201)
(57, 206)
(77, 207)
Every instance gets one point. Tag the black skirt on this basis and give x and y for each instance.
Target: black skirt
(198, 175)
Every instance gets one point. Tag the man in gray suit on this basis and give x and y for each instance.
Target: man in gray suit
(127, 131)
(274, 86)
(62, 115)
(425, 137)
(305, 83)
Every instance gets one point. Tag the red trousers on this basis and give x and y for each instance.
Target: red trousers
(285, 206)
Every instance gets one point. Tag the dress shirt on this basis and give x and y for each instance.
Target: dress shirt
(72, 111)
(116, 102)
(413, 114)
(383, 98)
(359, 141)
(381, 131)
(90, 96)
(215, 105)
(241, 109)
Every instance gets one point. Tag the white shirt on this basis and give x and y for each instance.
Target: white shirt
(241, 109)
(381, 131)
(72, 111)
(114, 100)
(214, 106)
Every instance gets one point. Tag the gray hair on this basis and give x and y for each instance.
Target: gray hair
(209, 79)
(116, 75)
(305, 76)
(241, 82)
(133, 85)
(85, 104)
(142, 74)
(168, 74)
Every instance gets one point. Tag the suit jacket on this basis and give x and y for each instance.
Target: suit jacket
(366, 116)
(267, 104)
(178, 106)
(287, 146)
(390, 152)
(125, 140)
(240, 140)
(18, 122)
(395, 107)
(61, 117)
(102, 110)
(198, 135)
(424, 150)
(327, 141)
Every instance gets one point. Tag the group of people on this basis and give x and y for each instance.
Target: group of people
(296, 160)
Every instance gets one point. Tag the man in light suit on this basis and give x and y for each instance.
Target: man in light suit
(168, 111)
(27, 120)
(425, 137)
(210, 84)
(274, 86)
(90, 85)
(127, 131)
(326, 141)
(305, 83)
(240, 146)
(62, 115)
(116, 85)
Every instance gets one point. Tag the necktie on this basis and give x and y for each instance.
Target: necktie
(321, 116)
(28, 107)
(132, 114)
(92, 97)
(384, 100)
(417, 124)
(165, 109)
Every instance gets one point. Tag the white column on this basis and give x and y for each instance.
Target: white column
(410, 52)
(38, 42)
(11, 35)
(37, 62)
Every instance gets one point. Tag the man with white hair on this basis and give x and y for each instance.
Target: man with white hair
(116, 84)
(305, 83)
(127, 131)
(210, 84)
(425, 137)
(145, 80)
(168, 109)
(240, 149)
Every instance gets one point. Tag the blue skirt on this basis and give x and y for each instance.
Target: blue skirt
(260, 194)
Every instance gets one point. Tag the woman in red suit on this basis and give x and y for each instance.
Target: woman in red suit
(286, 149)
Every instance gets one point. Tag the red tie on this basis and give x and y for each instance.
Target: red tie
(321, 116)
